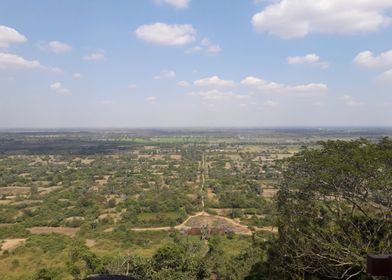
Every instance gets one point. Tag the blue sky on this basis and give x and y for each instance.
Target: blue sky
(151, 63)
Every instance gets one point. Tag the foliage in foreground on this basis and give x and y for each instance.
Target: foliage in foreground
(335, 206)
(177, 260)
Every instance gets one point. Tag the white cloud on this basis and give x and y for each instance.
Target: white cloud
(312, 59)
(183, 84)
(350, 101)
(298, 18)
(151, 99)
(59, 47)
(214, 81)
(132, 86)
(178, 4)
(212, 95)
(271, 104)
(56, 70)
(77, 75)
(205, 46)
(12, 61)
(367, 59)
(10, 36)
(306, 90)
(167, 34)
(217, 95)
(165, 74)
(385, 78)
(95, 56)
(59, 88)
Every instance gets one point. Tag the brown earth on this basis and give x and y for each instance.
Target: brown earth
(10, 244)
(269, 193)
(90, 243)
(47, 230)
(14, 190)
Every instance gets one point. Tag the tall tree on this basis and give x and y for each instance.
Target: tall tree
(335, 206)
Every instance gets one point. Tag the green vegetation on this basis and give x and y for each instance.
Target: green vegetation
(335, 206)
(74, 204)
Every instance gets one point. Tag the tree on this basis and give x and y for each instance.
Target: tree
(168, 257)
(335, 206)
(46, 274)
(82, 262)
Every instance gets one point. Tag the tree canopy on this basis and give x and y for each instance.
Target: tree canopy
(335, 206)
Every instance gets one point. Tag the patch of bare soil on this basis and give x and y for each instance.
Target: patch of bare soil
(5, 225)
(115, 216)
(27, 202)
(152, 229)
(218, 222)
(14, 190)
(223, 211)
(47, 230)
(10, 244)
(90, 243)
(176, 157)
(211, 195)
(269, 193)
(202, 219)
(47, 190)
(5, 202)
(74, 218)
(267, 229)
(102, 182)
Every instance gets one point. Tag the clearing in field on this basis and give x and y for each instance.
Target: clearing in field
(14, 190)
(216, 222)
(48, 230)
(10, 244)
(47, 190)
(269, 193)
(267, 229)
(176, 157)
(90, 243)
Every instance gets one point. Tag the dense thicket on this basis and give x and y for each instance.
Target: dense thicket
(335, 206)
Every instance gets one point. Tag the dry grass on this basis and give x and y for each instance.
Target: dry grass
(149, 148)
(75, 218)
(87, 161)
(283, 156)
(253, 148)
(109, 229)
(211, 195)
(26, 202)
(156, 157)
(176, 157)
(5, 202)
(47, 230)
(116, 217)
(267, 229)
(222, 211)
(5, 225)
(102, 182)
(235, 157)
(14, 190)
(47, 190)
(269, 193)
